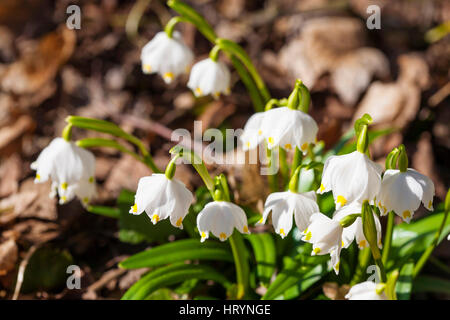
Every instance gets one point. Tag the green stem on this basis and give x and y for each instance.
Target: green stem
(198, 165)
(423, 259)
(272, 178)
(255, 96)
(239, 52)
(100, 142)
(364, 259)
(241, 263)
(380, 265)
(170, 26)
(297, 160)
(193, 17)
(214, 53)
(284, 170)
(113, 129)
(388, 237)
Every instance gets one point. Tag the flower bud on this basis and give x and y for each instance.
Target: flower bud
(369, 229)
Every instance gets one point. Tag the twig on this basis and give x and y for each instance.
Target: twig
(22, 268)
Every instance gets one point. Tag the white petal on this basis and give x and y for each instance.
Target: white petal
(252, 135)
(427, 187)
(183, 197)
(305, 205)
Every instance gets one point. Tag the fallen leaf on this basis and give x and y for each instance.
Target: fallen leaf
(8, 256)
(335, 292)
(39, 65)
(10, 171)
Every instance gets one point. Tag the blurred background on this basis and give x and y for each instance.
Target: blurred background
(399, 74)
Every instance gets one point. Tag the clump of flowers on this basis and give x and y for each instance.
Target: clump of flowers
(360, 190)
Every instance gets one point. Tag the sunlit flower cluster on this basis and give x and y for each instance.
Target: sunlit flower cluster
(280, 127)
(70, 168)
(170, 57)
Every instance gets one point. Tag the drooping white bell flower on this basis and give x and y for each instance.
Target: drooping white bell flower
(70, 168)
(169, 57)
(402, 193)
(284, 205)
(355, 230)
(367, 290)
(288, 128)
(209, 77)
(252, 135)
(220, 218)
(351, 177)
(161, 198)
(325, 235)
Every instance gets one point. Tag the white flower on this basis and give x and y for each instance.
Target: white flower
(169, 57)
(252, 135)
(70, 168)
(284, 205)
(220, 217)
(209, 77)
(160, 198)
(402, 193)
(288, 128)
(365, 291)
(355, 230)
(325, 234)
(351, 177)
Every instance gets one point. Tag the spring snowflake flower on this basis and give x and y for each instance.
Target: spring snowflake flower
(220, 217)
(288, 128)
(161, 198)
(284, 205)
(169, 57)
(325, 235)
(402, 193)
(367, 290)
(252, 135)
(209, 77)
(70, 168)
(351, 177)
(355, 230)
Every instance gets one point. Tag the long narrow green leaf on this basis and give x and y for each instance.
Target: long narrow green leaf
(265, 254)
(105, 211)
(411, 240)
(181, 250)
(170, 275)
(296, 274)
(431, 284)
(404, 282)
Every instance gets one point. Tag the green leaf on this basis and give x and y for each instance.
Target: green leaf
(138, 228)
(177, 251)
(404, 282)
(431, 284)
(302, 273)
(170, 275)
(161, 294)
(104, 211)
(411, 240)
(46, 270)
(265, 254)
